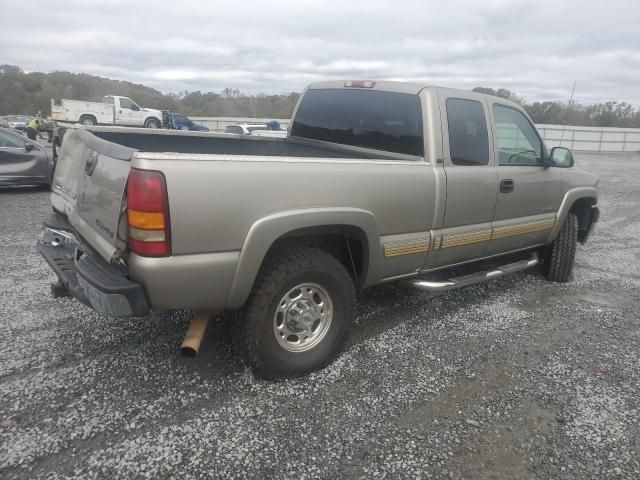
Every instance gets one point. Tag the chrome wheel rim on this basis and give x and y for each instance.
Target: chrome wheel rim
(303, 317)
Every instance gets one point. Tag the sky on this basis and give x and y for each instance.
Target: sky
(535, 48)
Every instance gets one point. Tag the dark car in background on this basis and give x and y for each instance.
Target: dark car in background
(23, 162)
(179, 121)
(16, 122)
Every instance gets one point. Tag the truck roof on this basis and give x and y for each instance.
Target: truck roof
(384, 85)
(404, 87)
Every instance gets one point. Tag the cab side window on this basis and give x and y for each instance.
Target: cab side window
(126, 103)
(518, 142)
(468, 134)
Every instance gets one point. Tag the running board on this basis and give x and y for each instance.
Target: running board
(473, 278)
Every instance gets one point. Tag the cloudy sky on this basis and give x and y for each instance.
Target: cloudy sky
(536, 48)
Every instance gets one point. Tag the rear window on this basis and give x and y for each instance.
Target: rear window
(363, 118)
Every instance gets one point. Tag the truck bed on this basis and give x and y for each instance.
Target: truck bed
(146, 140)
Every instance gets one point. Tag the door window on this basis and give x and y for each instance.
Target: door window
(518, 141)
(10, 141)
(126, 103)
(468, 134)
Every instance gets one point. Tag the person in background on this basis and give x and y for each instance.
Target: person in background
(33, 128)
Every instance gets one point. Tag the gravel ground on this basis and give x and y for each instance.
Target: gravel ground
(517, 378)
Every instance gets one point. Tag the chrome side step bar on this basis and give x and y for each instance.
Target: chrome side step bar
(473, 278)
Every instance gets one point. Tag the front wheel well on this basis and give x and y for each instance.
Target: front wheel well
(148, 120)
(348, 244)
(582, 209)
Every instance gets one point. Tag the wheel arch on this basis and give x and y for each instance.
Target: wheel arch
(578, 201)
(152, 117)
(323, 228)
(88, 115)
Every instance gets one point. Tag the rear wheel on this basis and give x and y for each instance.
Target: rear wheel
(88, 120)
(151, 123)
(298, 315)
(558, 257)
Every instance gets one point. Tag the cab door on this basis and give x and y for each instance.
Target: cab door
(470, 178)
(128, 113)
(529, 194)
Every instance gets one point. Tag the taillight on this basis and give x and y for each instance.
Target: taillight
(148, 214)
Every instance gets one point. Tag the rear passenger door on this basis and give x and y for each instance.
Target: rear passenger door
(529, 195)
(471, 179)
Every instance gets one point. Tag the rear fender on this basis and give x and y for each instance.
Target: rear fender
(263, 234)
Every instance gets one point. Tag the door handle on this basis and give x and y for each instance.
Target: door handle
(506, 185)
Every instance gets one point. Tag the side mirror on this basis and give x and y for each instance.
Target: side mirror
(28, 146)
(135, 108)
(560, 157)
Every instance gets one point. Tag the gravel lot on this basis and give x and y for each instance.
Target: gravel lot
(518, 378)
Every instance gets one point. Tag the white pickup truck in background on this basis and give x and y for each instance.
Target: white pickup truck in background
(114, 110)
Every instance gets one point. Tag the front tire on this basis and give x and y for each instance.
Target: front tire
(298, 315)
(151, 123)
(560, 255)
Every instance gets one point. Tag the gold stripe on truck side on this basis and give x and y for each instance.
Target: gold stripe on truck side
(461, 239)
(408, 247)
(438, 240)
(522, 228)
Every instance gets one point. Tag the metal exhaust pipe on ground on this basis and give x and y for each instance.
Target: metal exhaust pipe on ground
(195, 332)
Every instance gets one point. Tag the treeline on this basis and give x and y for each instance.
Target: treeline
(607, 114)
(28, 93)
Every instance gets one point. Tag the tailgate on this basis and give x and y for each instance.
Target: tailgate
(88, 187)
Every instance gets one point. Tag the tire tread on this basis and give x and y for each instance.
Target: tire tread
(275, 270)
(560, 255)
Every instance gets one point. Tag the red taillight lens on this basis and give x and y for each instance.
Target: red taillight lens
(148, 214)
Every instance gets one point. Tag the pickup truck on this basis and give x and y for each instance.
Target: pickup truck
(114, 110)
(376, 182)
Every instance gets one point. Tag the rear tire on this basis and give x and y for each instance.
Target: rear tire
(560, 255)
(88, 120)
(151, 123)
(298, 315)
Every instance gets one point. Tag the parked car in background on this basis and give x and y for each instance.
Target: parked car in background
(114, 110)
(179, 121)
(245, 128)
(17, 122)
(269, 129)
(23, 162)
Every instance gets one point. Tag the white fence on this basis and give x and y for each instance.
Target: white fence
(591, 139)
(586, 139)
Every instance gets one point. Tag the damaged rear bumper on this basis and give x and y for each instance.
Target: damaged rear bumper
(88, 277)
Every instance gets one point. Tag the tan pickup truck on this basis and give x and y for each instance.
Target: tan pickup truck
(375, 182)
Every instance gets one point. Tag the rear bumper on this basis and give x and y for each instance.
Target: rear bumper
(104, 287)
